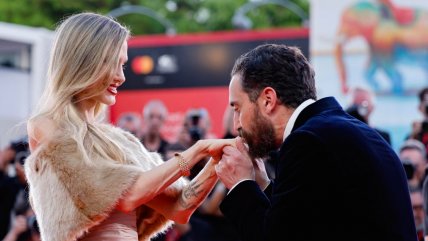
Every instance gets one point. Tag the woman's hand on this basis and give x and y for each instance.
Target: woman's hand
(214, 147)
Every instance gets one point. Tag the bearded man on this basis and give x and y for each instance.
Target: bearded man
(336, 178)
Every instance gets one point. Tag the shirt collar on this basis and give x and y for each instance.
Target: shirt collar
(293, 117)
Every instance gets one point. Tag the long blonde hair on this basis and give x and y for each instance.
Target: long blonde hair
(85, 54)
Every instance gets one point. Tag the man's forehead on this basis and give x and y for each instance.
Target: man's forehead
(234, 89)
(236, 83)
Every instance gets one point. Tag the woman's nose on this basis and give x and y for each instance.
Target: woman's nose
(120, 77)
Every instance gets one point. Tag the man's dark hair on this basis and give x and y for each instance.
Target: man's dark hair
(423, 94)
(281, 67)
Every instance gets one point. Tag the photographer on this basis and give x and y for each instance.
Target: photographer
(131, 122)
(413, 156)
(207, 223)
(362, 106)
(417, 201)
(154, 116)
(11, 185)
(24, 228)
(420, 128)
(197, 122)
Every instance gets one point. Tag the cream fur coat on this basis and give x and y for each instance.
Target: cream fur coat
(71, 192)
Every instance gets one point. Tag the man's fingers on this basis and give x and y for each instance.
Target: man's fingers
(218, 168)
(259, 164)
(221, 166)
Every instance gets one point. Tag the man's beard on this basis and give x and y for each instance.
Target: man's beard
(261, 139)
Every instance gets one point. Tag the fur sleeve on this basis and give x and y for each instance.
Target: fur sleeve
(71, 194)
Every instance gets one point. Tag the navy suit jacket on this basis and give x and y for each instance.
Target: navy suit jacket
(336, 179)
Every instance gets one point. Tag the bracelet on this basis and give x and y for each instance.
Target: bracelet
(183, 164)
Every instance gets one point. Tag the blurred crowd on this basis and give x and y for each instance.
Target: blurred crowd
(18, 222)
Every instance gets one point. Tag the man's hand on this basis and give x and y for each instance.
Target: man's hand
(261, 176)
(235, 165)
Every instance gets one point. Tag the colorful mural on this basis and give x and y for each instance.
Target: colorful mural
(380, 45)
(393, 34)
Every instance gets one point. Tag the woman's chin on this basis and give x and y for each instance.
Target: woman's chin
(110, 101)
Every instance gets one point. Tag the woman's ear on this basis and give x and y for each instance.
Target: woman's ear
(268, 99)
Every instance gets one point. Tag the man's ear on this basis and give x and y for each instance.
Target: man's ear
(268, 99)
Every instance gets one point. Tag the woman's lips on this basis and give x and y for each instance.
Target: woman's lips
(112, 90)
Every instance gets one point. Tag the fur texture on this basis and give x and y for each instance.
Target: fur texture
(71, 194)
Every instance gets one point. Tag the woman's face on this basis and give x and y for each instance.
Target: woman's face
(108, 96)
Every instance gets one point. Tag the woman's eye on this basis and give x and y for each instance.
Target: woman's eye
(124, 66)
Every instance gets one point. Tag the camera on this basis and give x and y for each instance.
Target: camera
(32, 224)
(194, 119)
(196, 133)
(21, 149)
(359, 112)
(425, 126)
(409, 168)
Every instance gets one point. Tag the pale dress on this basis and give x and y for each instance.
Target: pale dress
(119, 226)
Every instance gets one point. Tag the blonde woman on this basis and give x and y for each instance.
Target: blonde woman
(92, 181)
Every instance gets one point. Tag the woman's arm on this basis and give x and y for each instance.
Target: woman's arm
(192, 195)
(153, 182)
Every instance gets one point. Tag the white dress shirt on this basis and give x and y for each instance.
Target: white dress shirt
(293, 117)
